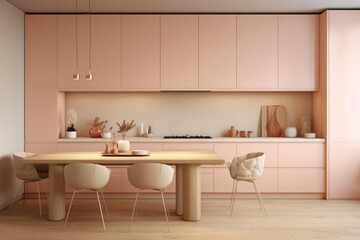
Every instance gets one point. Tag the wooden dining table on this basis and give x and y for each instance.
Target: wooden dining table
(188, 175)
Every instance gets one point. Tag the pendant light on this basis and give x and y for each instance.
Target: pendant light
(89, 75)
(76, 76)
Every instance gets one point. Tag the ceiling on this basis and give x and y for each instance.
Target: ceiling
(184, 6)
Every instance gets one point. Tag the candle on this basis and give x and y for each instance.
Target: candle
(142, 129)
(123, 146)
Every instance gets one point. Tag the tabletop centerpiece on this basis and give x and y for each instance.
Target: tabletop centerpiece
(124, 145)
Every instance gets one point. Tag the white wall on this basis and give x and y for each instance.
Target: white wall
(11, 95)
(180, 113)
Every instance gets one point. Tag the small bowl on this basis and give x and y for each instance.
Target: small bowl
(310, 135)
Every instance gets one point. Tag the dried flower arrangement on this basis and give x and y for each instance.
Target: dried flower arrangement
(125, 127)
(97, 128)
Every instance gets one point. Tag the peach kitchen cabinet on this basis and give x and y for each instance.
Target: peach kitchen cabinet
(217, 51)
(141, 52)
(78, 52)
(299, 52)
(41, 51)
(179, 52)
(341, 61)
(302, 167)
(257, 52)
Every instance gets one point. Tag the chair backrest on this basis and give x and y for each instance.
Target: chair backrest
(247, 167)
(24, 171)
(86, 176)
(150, 175)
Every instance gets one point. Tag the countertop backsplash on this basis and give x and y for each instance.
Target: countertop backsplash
(181, 113)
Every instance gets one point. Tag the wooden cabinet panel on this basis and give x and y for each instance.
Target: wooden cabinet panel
(188, 146)
(81, 147)
(257, 51)
(41, 51)
(141, 51)
(179, 51)
(39, 148)
(207, 180)
(147, 146)
(302, 155)
(270, 150)
(115, 181)
(299, 52)
(105, 52)
(217, 51)
(41, 115)
(67, 54)
(226, 150)
(301, 180)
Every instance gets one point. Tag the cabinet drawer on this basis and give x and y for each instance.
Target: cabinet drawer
(302, 180)
(188, 146)
(148, 146)
(270, 150)
(301, 155)
(81, 147)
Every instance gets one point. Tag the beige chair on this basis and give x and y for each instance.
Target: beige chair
(27, 173)
(154, 176)
(87, 176)
(247, 168)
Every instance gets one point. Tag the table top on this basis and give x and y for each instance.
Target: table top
(170, 157)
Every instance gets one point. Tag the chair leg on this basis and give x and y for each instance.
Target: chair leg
(233, 201)
(38, 185)
(17, 193)
(101, 213)
(232, 193)
(261, 202)
(68, 213)
(132, 215)
(165, 209)
(106, 208)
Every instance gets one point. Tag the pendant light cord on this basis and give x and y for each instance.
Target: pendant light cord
(90, 36)
(76, 35)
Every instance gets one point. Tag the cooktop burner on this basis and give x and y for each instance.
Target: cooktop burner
(188, 136)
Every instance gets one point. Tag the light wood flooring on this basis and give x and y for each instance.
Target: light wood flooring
(288, 219)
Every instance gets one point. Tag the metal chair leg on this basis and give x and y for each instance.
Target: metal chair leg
(261, 202)
(132, 215)
(68, 213)
(101, 213)
(233, 201)
(232, 194)
(165, 210)
(106, 208)
(38, 184)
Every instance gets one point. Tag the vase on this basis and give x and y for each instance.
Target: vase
(95, 131)
(70, 134)
(232, 131)
(290, 132)
(123, 145)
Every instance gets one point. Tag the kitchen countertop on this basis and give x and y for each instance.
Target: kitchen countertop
(213, 140)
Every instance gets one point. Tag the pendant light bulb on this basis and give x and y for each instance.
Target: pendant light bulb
(89, 76)
(76, 76)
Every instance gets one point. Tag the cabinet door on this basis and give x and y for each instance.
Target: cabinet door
(217, 51)
(302, 155)
(41, 51)
(41, 115)
(72, 59)
(141, 51)
(270, 150)
(257, 51)
(301, 180)
(81, 147)
(179, 52)
(225, 150)
(105, 52)
(299, 52)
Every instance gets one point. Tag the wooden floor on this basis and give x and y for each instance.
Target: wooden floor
(288, 219)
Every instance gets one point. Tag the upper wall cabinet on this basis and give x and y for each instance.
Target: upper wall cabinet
(217, 51)
(41, 51)
(104, 47)
(179, 52)
(257, 52)
(299, 52)
(141, 51)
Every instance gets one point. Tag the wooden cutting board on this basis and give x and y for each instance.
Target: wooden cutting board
(273, 120)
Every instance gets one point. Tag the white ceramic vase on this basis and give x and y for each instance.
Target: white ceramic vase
(290, 132)
(70, 134)
(123, 146)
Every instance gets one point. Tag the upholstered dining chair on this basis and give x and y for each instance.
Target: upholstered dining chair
(154, 176)
(247, 168)
(27, 173)
(87, 176)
